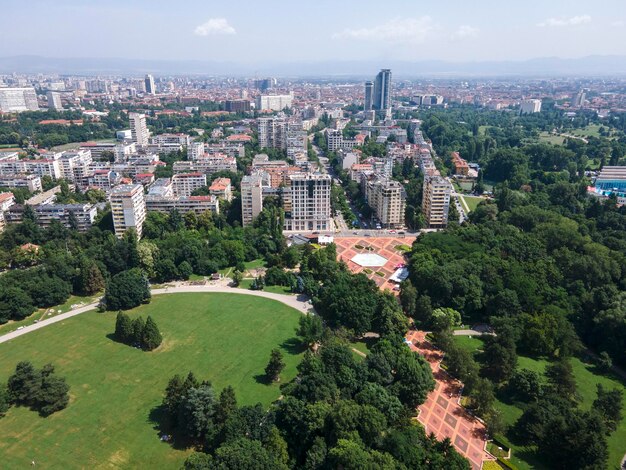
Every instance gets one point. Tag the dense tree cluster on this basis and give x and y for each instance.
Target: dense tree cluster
(137, 332)
(39, 389)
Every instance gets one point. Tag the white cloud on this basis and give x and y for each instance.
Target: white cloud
(394, 31)
(214, 26)
(618, 23)
(573, 21)
(465, 31)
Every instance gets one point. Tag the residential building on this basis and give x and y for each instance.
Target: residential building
(15, 100)
(208, 164)
(274, 102)
(183, 204)
(251, 197)
(184, 184)
(306, 202)
(461, 168)
(436, 201)
(54, 100)
(73, 216)
(297, 142)
(530, 106)
(336, 141)
(149, 82)
(164, 139)
(237, 106)
(139, 129)
(221, 188)
(103, 179)
(6, 201)
(40, 167)
(30, 182)
(387, 198)
(578, 100)
(128, 207)
(195, 150)
(272, 132)
(74, 166)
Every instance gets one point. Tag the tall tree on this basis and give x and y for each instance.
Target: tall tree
(150, 336)
(275, 366)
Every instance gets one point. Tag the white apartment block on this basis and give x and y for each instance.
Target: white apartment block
(387, 198)
(436, 201)
(221, 189)
(208, 164)
(273, 102)
(307, 202)
(6, 201)
(272, 132)
(15, 100)
(103, 179)
(163, 139)
(251, 197)
(195, 150)
(54, 100)
(40, 167)
(139, 129)
(184, 184)
(74, 166)
(297, 143)
(128, 206)
(335, 140)
(30, 182)
(83, 214)
(183, 204)
(530, 106)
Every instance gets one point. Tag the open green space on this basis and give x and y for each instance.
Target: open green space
(586, 379)
(115, 389)
(548, 138)
(250, 266)
(472, 201)
(246, 283)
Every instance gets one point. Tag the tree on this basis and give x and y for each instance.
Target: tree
(408, 294)
(24, 384)
(138, 326)
(461, 364)
(310, 329)
(226, 404)
(53, 392)
(150, 336)
(561, 378)
(276, 447)
(199, 461)
(500, 357)
(196, 412)
(42, 390)
(237, 277)
(244, 453)
(275, 366)
(123, 328)
(185, 270)
(127, 290)
(483, 396)
(608, 405)
(604, 362)
(526, 385)
(444, 319)
(89, 280)
(5, 402)
(15, 304)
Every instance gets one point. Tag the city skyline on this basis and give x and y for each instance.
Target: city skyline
(348, 31)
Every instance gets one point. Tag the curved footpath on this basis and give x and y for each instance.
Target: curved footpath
(299, 302)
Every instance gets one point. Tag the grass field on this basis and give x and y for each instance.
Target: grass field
(471, 201)
(586, 380)
(223, 338)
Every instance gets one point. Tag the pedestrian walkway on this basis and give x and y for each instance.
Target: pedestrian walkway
(442, 414)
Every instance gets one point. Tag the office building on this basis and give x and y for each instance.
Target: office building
(139, 129)
(128, 207)
(530, 106)
(436, 201)
(15, 100)
(306, 202)
(54, 100)
(237, 106)
(369, 94)
(387, 199)
(150, 88)
(382, 93)
(221, 189)
(183, 184)
(251, 197)
(273, 102)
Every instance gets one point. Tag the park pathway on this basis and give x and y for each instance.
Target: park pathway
(299, 302)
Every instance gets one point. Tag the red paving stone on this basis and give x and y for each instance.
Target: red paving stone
(441, 413)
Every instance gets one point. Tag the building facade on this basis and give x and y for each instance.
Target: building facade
(251, 197)
(139, 129)
(128, 206)
(15, 100)
(306, 202)
(436, 201)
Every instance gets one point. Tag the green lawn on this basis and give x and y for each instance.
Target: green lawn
(586, 379)
(250, 265)
(546, 137)
(472, 201)
(224, 338)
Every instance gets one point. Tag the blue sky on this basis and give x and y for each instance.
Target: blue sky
(283, 31)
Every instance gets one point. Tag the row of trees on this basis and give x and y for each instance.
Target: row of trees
(137, 332)
(41, 390)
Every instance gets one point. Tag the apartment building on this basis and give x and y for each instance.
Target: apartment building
(387, 198)
(336, 141)
(6, 201)
(183, 204)
(221, 189)
(103, 179)
(237, 106)
(436, 201)
(73, 216)
(74, 166)
(30, 182)
(530, 106)
(128, 206)
(184, 184)
(251, 197)
(273, 102)
(15, 100)
(297, 142)
(40, 167)
(272, 132)
(461, 168)
(139, 129)
(208, 164)
(164, 139)
(306, 202)
(195, 150)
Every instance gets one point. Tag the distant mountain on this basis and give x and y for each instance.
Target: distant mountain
(541, 67)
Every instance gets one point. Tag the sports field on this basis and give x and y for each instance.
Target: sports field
(224, 338)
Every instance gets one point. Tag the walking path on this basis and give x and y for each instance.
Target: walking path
(442, 414)
(299, 302)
